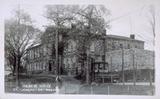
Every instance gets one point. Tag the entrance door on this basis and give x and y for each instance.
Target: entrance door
(50, 66)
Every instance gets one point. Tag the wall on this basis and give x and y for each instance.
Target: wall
(142, 59)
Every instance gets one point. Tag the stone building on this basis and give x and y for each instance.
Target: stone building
(141, 59)
(40, 57)
(113, 43)
(70, 61)
(132, 60)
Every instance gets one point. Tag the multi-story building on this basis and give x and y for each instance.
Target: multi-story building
(138, 61)
(37, 59)
(115, 42)
(103, 48)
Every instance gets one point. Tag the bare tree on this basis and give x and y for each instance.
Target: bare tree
(19, 34)
(90, 20)
(87, 21)
(60, 17)
(152, 23)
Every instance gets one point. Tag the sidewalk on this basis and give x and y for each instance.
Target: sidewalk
(131, 83)
(70, 86)
(73, 86)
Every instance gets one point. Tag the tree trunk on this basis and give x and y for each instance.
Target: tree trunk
(14, 69)
(19, 64)
(14, 66)
(62, 66)
(57, 58)
(17, 74)
(123, 80)
(88, 69)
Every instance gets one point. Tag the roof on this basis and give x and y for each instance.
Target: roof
(122, 37)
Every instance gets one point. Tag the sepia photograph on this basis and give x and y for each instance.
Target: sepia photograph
(81, 49)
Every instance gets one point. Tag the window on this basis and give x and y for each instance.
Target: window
(113, 46)
(34, 54)
(128, 46)
(103, 58)
(101, 66)
(135, 46)
(38, 52)
(31, 54)
(44, 66)
(121, 46)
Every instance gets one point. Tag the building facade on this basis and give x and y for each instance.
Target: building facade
(138, 61)
(107, 48)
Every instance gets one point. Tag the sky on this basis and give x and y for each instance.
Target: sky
(129, 16)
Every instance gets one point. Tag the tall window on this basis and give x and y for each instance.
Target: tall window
(121, 46)
(135, 46)
(128, 46)
(34, 54)
(113, 46)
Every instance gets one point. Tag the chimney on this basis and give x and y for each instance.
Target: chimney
(132, 36)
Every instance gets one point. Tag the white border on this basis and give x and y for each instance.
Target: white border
(51, 96)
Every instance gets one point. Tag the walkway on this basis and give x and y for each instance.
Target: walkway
(70, 85)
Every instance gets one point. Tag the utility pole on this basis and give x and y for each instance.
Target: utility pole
(150, 77)
(17, 74)
(134, 69)
(17, 54)
(104, 57)
(111, 71)
(56, 47)
(122, 65)
(88, 68)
